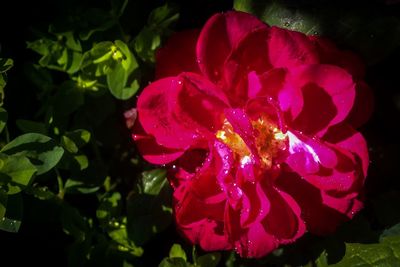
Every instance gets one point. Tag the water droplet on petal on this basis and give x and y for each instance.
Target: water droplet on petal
(234, 192)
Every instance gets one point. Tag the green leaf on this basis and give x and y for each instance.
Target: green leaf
(129, 62)
(74, 186)
(116, 81)
(98, 60)
(149, 38)
(149, 213)
(153, 181)
(322, 260)
(74, 140)
(120, 236)
(42, 193)
(43, 152)
(11, 221)
(28, 126)
(208, 260)
(392, 231)
(278, 14)
(163, 16)
(6, 64)
(3, 118)
(41, 46)
(174, 262)
(146, 43)
(110, 207)
(3, 203)
(385, 253)
(176, 251)
(16, 172)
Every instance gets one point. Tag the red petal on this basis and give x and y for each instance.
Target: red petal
(319, 218)
(289, 49)
(199, 210)
(150, 150)
(316, 97)
(200, 223)
(219, 36)
(178, 54)
(283, 220)
(326, 166)
(252, 242)
(268, 84)
(180, 111)
(250, 55)
(255, 204)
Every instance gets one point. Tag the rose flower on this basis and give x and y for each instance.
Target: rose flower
(257, 127)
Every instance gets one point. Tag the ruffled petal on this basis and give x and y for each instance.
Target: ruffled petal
(219, 36)
(150, 150)
(289, 49)
(255, 205)
(178, 54)
(199, 205)
(317, 97)
(283, 220)
(345, 137)
(318, 216)
(252, 242)
(199, 222)
(328, 167)
(268, 84)
(186, 104)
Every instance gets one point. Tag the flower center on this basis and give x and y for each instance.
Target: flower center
(269, 140)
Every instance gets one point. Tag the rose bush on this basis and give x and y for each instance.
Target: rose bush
(257, 127)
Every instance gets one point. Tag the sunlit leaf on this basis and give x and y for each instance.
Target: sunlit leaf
(16, 173)
(43, 152)
(74, 140)
(176, 251)
(153, 181)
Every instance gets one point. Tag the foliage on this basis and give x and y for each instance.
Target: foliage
(68, 169)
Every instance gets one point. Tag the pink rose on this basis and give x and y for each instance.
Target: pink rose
(257, 125)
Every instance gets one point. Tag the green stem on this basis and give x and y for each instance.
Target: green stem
(60, 182)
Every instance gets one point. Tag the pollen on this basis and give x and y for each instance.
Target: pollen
(269, 140)
(233, 140)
